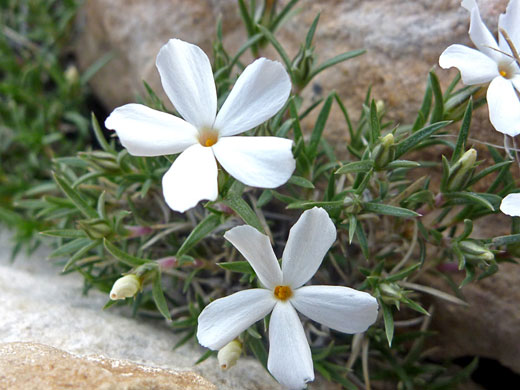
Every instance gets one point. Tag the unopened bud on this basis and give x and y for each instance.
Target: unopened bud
(384, 153)
(138, 231)
(229, 354)
(72, 74)
(462, 171)
(125, 287)
(95, 228)
(391, 293)
(380, 106)
(475, 251)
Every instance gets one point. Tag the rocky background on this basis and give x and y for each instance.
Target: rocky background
(403, 40)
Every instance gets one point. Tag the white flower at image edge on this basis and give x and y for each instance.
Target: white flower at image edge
(205, 136)
(340, 308)
(491, 63)
(511, 205)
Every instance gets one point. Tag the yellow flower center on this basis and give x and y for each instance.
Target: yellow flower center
(282, 292)
(208, 137)
(506, 70)
(503, 73)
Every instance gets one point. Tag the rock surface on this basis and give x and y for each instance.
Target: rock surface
(31, 366)
(403, 40)
(38, 305)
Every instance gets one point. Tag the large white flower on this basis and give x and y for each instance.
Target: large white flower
(492, 63)
(340, 308)
(259, 93)
(510, 205)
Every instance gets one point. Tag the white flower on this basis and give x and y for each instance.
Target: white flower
(125, 287)
(340, 308)
(260, 92)
(511, 205)
(492, 62)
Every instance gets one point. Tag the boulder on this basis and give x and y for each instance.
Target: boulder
(32, 366)
(403, 40)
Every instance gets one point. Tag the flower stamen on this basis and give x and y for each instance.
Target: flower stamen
(283, 292)
(208, 137)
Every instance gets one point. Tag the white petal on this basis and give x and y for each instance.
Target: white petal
(511, 205)
(309, 239)
(257, 250)
(340, 308)
(225, 318)
(516, 82)
(510, 21)
(147, 132)
(265, 162)
(187, 79)
(191, 178)
(290, 359)
(504, 106)
(259, 93)
(479, 33)
(475, 67)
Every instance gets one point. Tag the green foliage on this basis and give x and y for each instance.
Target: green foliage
(401, 210)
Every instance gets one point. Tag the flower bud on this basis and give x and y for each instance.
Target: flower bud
(391, 293)
(475, 251)
(95, 228)
(229, 354)
(384, 153)
(125, 287)
(462, 171)
(72, 74)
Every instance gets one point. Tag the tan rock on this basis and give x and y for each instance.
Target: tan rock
(403, 40)
(489, 326)
(28, 366)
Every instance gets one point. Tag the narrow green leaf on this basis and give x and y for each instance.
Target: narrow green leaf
(73, 195)
(206, 226)
(67, 233)
(506, 240)
(424, 111)
(355, 167)
(335, 60)
(237, 266)
(99, 134)
(245, 212)
(319, 126)
(70, 247)
(385, 209)
(301, 182)
(402, 164)
(278, 20)
(469, 198)
(483, 173)
(375, 126)
(80, 253)
(206, 355)
(310, 33)
(438, 107)
(310, 204)
(362, 240)
(403, 274)
(460, 147)
(389, 322)
(278, 47)
(159, 299)
(126, 258)
(95, 67)
(352, 222)
(413, 140)
(258, 349)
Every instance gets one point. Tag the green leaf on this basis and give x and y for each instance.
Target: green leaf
(460, 147)
(506, 240)
(258, 349)
(80, 253)
(245, 212)
(206, 226)
(206, 355)
(312, 30)
(278, 47)
(438, 107)
(483, 173)
(389, 322)
(95, 67)
(402, 164)
(362, 239)
(73, 195)
(67, 233)
(301, 182)
(335, 60)
(403, 274)
(424, 111)
(70, 247)
(413, 140)
(415, 306)
(352, 222)
(319, 126)
(385, 209)
(126, 258)
(158, 297)
(375, 126)
(469, 198)
(310, 204)
(238, 266)
(355, 167)
(277, 21)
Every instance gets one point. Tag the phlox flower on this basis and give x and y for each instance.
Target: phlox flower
(204, 136)
(283, 294)
(511, 205)
(492, 63)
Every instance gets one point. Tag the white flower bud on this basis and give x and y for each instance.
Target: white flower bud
(229, 354)
(125, 287)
